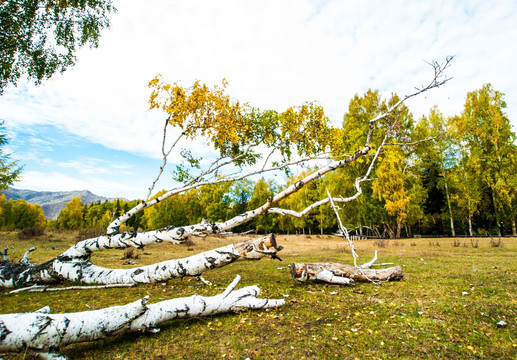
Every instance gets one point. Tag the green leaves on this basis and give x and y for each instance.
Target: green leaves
(234, 129)
(488, 149)
(40, 37)
(9, 170)
(18, 214)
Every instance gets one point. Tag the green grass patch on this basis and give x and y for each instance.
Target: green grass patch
(447, 306)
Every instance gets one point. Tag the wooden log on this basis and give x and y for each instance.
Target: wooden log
(75, 265)
(337, 273)
(43, 333)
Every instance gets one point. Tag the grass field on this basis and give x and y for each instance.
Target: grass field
(447, 305)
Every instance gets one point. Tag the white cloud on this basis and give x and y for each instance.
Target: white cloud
(130, 188)
(90, 166)
(275, 54)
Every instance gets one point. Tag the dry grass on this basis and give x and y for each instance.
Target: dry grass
(447, 306)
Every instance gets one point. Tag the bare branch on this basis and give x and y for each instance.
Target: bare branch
(165, 155)
(438, 80)
(344, 230)
(359, 191)
(146, 204)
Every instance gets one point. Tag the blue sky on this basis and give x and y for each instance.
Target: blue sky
(90, 128)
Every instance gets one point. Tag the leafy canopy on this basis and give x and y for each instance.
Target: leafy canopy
(233, 129)
(40, 37)
(9, 170)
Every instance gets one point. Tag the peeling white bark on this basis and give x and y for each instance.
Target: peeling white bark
(336, 273)
(194, 265)
(75, 265)
(43, 333)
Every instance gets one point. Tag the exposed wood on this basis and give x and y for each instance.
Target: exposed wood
(337, 273)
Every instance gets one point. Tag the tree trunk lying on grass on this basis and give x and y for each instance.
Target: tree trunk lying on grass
(336, 273)
(75, 265)
(298, 136)
(44, 333)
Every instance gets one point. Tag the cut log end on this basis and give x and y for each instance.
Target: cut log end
(258, 248)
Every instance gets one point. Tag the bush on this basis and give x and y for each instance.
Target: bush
(380, 243)
(31, 232)
(130, 253)
(496, 242)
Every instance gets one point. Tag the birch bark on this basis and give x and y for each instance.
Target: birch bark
(337, 273)
(75, 265)
(44, 333)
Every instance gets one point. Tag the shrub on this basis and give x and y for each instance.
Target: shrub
(380, 243)
(130, 253)
(31, 232)
(496, 242)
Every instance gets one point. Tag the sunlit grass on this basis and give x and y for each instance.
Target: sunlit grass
(447, 306)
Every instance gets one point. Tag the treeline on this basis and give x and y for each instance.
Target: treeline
(19, 214)
(435, 176)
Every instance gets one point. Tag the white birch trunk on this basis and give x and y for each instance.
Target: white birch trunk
(75, 265)
(43, 333)
(453, 232)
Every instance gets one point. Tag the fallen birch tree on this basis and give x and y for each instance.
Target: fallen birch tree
(43, 333)
(75, 265)
(240, 134)
(336, 273)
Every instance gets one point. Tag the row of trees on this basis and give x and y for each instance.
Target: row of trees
(462, 181)
(455, 175)
(18, 214)
(450, 176)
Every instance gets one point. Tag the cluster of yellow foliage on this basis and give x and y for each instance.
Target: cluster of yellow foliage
(19, 214)
(211, 113)
(199, 110)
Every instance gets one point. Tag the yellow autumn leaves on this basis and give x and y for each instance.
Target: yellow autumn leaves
(199, 110)
(211, 113)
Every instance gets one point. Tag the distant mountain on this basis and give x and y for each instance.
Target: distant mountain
(52, 202)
